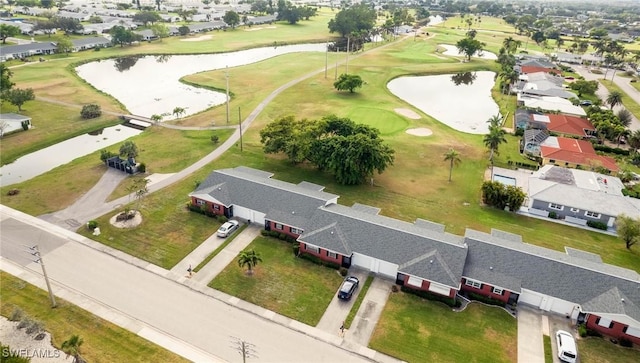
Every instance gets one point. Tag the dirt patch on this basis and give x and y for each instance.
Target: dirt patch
(420, 131)
(40, 350)
(407, 113)
(130, 223)
(259, 28)
(197, 39)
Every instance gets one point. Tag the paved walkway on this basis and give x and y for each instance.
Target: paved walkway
(369, 313)
(530, 343)
(338, 309)
(183, 315)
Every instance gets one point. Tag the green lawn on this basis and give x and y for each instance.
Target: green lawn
(628, 102)
(290, 286)
(215, 252)
(548, 350)
(103, 341)
(600, 350)
(417, 330)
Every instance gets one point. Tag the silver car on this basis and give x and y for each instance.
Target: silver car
(227, 228)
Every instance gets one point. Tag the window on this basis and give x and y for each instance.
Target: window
(552, 161)
(473, 283)
(498, 291)
(279, 226)
(216, 207)
(332, 255)
(200, 202)
(313, 249)
(556, 206)
(591, 214)
(634, 332)
(575, 210)
(414, 281)
(605, 323)
(295, 230)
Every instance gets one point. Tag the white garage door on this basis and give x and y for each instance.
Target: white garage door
(529, 297)
(361, 261)
(258, 217)
(561, 306)
(388, 269)
(242, 212)
(374, 265)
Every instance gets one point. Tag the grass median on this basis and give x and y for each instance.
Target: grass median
(358, 302)
(103, 341)
(293, 287)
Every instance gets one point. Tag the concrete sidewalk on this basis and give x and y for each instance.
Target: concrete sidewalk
(226, 256)
(530, 331)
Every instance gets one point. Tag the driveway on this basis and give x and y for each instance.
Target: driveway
(338, 310)
(530, 344)
(369, 312)
(555, 323)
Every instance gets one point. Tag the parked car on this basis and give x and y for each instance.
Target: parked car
(349, 286)
(567, 351)
(227, 228)
(586, 103)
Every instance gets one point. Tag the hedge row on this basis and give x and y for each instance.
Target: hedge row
(613, 150)
(597, 225)
(486, 299)
(318, 261)
(453, 302)
(203, 210)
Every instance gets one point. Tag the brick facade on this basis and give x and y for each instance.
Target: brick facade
(615, 330)
(486, 290)
(211, 207)
(321, 253)
(288, 230)
(425, 287)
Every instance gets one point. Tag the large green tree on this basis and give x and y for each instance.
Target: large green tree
(628, 229)
(231, 18)
(64, 45)
(18, 96)
(584, 87)
(147, 17)
(250, 259)
(7, 30)
(353, 19)
(469, 46)
(5, 78)
(495, 137)
(348, 82)
(129, 149)
(121, 35)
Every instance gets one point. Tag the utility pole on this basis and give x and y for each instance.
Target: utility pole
(240, 123)
(348, 49)
(226, 73)
(246, 349)
(336, 68)
(35, 252)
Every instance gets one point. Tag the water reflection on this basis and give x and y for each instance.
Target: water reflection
(163, 58)
(465, 109)
(466, 78)
(125, 63)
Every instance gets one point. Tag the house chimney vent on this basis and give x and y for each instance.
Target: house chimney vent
(490, 267)
(331, 232)
(293, 212)
(430, 261)
(622, 299)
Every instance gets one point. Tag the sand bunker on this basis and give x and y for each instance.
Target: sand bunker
(420, 131)
(453, 51)
(259, 28)
(407, 113)
(197, 39)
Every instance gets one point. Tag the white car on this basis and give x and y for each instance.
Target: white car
(227, 228)
(567, 351)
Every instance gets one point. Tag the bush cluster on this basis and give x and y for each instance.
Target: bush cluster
(631, 193)
(90, 111)
(612, 150)
(597, 225)
(453, 302)
(553, 215)
(624, 342)
(486, 299)
(582, 330)
(500, 196)
(523, 165)
(318, 261)
(278, 235)
(92, 225)
(204, 210)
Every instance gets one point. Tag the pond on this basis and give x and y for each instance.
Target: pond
(41, 161)
(461, 101)
(452, 50)
(150, 85)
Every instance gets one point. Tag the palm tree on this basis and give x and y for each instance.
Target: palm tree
(71, 347)
(495, 121)
(511, 45)
(509, 78)
(634, 140)
(454, 159)
(249, 258)
(625, 117)
(178, 111)
(156, 118)
(614, 99)
(493, 139)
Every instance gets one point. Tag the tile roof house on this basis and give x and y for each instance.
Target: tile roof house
(561, 124)
(574, 153)
(525, 69)
(578, 196)
(422, 256)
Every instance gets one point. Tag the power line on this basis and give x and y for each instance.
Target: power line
(246, 349)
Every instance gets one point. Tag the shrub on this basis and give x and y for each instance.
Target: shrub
(519, 132)
(24, 322)
(222, 218)
(274, 234)
(296, 249)
(264, 233)
(318, 261)
(90, 111)
(486, 299)
(582, 330)
(394, 288)
(13, 192)
(16, 315)
(92, 225)
(34, 328)
(106, 154)
(630, 193)
(553, 215)
(597, 225)
(282, 236)
(626, 343)
(194, 208)
(25, 125)
(142, 167)
(453, 302)
(343, 271)
(215, 139)
(611, 150)
(290, 239)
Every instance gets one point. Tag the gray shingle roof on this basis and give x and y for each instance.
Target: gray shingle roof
(285, 202)
(22, 48)
(91, 41)
(346, 230)
(589, 283)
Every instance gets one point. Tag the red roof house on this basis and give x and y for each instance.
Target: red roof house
(574, 153)
(570, 125)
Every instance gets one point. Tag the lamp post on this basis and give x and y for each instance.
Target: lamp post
(35, 252)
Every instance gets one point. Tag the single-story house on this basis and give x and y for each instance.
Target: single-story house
(13, 122)
(575, 284)
(536, 62)
(561, 124)
(565, 57)
(264, 19)
(90, 43)
(549, 103)
(20, 51)
(73, 15)
(146, 34)
(205, 27)
(422, 256)
(578, 196)
(574, 153)
(533, 69)
(25, 28)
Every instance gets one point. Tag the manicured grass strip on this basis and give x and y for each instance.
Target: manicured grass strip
(418, 330)
(628, 102)
(220, 248)
(358, 302)
(293, 287)
(601, 350)
(103, 341)
(548, 351)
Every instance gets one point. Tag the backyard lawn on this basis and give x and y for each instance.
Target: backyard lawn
(418, 330)
(293, 287)
(600, 350)
(103, 341)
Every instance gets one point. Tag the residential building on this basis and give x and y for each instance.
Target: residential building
(574, 153)
(13, 122)
(549, 103)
